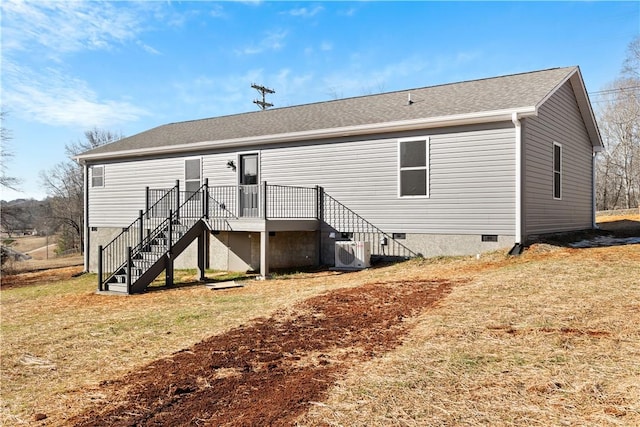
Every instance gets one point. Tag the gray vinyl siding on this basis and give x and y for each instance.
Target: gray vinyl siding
(123, 195)
(471, 180)
(559, 121)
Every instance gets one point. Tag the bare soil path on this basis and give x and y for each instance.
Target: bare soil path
(268, 372)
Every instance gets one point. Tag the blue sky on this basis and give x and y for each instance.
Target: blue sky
(129, 66)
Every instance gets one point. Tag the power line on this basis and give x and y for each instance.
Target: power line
(616, 90)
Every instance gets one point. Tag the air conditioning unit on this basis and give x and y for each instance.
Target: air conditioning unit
(353, 255)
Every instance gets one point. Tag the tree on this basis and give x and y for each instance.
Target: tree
(6, 181)
(631, 67)
(65, 185)
(618, 168)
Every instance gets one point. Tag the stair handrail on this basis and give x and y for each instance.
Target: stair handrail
(144, 214)
(356, 218)
(145, 240)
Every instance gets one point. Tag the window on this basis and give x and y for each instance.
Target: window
(249, 169)
(413, 167)
(557, 171)
(192, 175)
(97, 176)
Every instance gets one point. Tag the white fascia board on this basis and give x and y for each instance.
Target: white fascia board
(398, 126)
(584, 104)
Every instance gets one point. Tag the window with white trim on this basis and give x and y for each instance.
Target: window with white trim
(97, 176)
(413, 167)
(557, 171)
(192, 175)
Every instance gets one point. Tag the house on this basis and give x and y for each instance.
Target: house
(458, 168)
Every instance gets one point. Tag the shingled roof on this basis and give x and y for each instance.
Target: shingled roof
(513, 93)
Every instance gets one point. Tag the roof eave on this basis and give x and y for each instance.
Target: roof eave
(397, 126)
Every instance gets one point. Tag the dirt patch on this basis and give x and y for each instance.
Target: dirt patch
(271, 371)
(39, 277)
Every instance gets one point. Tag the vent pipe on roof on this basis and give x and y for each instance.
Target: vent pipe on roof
(409, 101)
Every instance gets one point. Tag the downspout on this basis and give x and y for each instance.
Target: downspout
(86, 218)
(518, 246)
(594, 224)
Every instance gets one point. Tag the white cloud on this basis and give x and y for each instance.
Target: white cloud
(273, 40)
(413, 71)
(217, 11)
(147, 48)
(326, 46)
(56, 27)
(304, 12)
(230, 94)
(54, 98)
(348, 12)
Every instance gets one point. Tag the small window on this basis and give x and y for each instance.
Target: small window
(413, 167)
(557, 171)
(192, 175)
(97, 176)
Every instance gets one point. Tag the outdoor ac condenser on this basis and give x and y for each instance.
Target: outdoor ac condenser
(353, 255)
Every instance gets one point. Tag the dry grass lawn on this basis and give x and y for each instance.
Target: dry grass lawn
(551, 338)
(548, 338)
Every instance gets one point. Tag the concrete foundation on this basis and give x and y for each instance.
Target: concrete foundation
(240, 250)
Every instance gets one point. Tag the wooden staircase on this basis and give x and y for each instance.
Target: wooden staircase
(130, 268)
(154, 257)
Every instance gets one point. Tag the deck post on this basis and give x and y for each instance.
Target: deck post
(170, 232)
(177, 205)
(129, 268)
(319, 202)
(320, 217)
(141, 228)
(100, 268)
(264, 254)
(202, 255)
(205, 199)
(146, 200)
(168, 271)
(264, 199)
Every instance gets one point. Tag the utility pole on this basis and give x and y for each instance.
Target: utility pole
(263, 91)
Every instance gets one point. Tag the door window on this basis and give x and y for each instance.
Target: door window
(249, 169)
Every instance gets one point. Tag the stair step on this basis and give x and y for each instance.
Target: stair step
(117, 287)
(146, 257)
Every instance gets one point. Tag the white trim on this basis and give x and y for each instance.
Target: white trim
(518, 183)
(584, 104)
(553, 167)
(397, 126)
(86, 217)
(426, 167)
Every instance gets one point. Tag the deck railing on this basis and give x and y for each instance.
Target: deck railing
(265, 201)
(356, 228)
(219, 204)
(289, 202)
